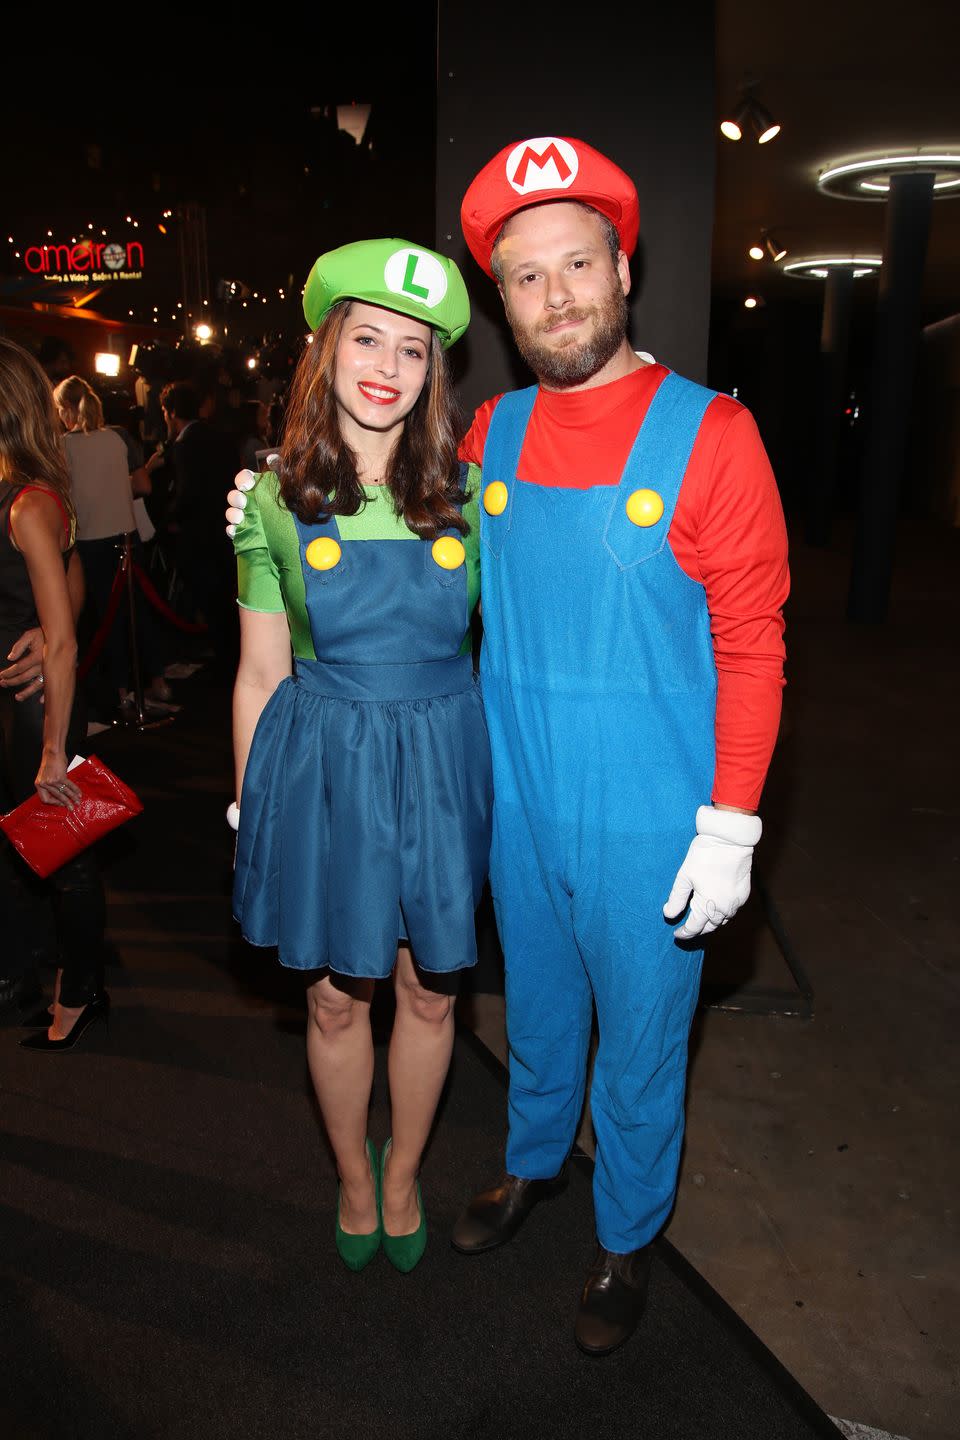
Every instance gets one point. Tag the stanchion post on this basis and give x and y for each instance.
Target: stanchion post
(128, 568)
(127, 563)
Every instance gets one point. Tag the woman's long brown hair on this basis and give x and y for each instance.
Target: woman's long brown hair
(31, 448)
(318, 471)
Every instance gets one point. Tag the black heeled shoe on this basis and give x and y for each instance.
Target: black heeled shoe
(98, 1009)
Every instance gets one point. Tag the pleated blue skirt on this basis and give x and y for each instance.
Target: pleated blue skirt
(366, 820)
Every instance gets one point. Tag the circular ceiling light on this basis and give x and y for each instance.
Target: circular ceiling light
(756, 252)
(868, 177)
(818, 267)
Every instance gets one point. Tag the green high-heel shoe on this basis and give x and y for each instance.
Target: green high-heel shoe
(356, 1251)
(403, 1251)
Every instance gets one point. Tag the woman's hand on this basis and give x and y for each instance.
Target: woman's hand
(54, 785)
(26, 671)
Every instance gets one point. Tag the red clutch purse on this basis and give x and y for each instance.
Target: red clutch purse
(47, 836)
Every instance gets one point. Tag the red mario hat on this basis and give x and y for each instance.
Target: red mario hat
(530, 172)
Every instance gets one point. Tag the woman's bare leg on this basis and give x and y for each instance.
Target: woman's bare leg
(340, 1056)
(420, 1049)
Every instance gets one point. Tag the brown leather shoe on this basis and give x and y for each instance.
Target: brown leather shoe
(613, 1300)
(494, 1216)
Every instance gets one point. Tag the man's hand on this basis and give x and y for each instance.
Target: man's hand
(27, 668)
(714, 879)
(154, 462)
(237, 497)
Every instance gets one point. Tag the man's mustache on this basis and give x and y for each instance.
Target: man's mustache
(565, 319)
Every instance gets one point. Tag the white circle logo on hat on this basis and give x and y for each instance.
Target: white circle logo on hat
(543, 164)
(417, 274)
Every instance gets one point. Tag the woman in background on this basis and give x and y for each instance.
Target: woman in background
(39, 579)
(100, 483)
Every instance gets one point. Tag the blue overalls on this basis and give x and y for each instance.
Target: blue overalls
(365, 814)
(600, 692)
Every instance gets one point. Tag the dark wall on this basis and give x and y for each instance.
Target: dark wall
(635, 83)
(936, 433)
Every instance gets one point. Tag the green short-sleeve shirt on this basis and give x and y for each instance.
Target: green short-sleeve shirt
(269, 573)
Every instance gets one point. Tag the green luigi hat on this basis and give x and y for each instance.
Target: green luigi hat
(395, 274)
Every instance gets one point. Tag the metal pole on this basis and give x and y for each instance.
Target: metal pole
(898, 333)
(127, 563)
(834, 351)
(141, 722)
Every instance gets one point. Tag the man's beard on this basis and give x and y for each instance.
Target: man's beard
(577, 361)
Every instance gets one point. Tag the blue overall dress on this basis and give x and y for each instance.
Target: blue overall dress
(365, 814)
(600, 692)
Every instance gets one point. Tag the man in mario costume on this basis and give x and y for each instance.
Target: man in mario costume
(634, 569)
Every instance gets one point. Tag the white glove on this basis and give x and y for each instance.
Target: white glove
(714, 878)
(236, 498)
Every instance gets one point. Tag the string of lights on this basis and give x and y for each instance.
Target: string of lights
(83, 256)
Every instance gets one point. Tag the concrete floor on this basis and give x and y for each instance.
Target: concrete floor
(818, 1192)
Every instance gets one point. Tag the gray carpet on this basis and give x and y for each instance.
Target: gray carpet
(168, 1267)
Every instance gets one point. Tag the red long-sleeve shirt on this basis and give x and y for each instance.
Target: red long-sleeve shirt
(727, 534)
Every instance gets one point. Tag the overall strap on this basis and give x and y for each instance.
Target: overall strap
(657, 461)
(317, 529)
(501, 456)
(661, 452)
(508, 426)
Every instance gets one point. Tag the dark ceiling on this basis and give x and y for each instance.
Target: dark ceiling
(844, 79)
(226, 119)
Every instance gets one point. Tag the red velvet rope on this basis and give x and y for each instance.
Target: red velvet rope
(113, 604)
(109, 615)
(160, 605)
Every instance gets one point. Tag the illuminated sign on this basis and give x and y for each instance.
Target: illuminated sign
(87, 260)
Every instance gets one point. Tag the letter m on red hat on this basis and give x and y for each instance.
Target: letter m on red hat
(547, 163)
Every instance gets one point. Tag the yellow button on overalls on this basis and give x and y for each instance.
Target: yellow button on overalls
(323, 553)
(644, 508)
(448, 552)
(495, 498)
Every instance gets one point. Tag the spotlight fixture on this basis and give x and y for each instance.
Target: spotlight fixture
(733, 128)
(767, 128)
(750, 115)
(775, 251)
(767, 246)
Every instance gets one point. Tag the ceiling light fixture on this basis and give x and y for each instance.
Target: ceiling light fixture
(818, 267)
(750, 115)
(733, 128)
(775, 251)
(868, 177)
(755, 252)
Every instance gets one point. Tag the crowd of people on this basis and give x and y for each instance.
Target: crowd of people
(604, 768)
(144, 470)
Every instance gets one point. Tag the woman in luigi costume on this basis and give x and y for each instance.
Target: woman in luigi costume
(363, 770)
